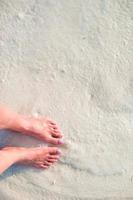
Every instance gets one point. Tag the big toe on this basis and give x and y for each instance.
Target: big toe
(54, 151)
(56, 141)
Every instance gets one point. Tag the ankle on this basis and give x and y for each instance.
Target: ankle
(20, 123)
(8, 154)
(6, 117)
(17, 153)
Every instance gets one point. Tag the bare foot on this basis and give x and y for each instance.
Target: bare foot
(42, 128)
(37, 157)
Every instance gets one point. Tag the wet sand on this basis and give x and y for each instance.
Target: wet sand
(72, 61)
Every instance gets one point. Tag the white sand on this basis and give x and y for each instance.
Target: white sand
(71, 60)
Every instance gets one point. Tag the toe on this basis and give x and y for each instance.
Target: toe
(41, 166)
(44, 166)
(55, 141)
(56, 134)
(47, 163)
(53, 157)
(53, 129)
(54, 151)
(51, 122)
(53, 126)
(52, 160)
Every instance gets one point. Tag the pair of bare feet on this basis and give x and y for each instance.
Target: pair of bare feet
(41, 128)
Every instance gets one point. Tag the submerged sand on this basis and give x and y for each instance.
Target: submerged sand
(73, 61)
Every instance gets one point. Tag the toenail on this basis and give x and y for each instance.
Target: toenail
(60, 141)
(59, 151)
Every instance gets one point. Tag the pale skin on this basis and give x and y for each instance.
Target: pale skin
(42, 128)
